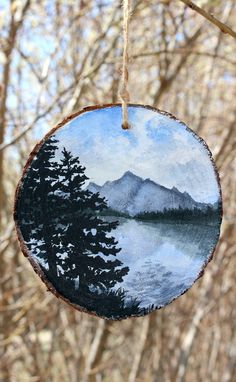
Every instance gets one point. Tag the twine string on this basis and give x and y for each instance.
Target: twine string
(124, 93)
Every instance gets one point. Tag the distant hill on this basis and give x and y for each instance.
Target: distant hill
(132, 195)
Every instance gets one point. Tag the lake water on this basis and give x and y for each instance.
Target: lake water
(164, 258)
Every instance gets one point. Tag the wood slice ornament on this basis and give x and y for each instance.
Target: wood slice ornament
(119, 222)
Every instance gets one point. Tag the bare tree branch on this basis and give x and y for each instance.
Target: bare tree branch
(210, 17)
(10, 44)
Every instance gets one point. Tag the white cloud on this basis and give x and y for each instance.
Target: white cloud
(156, 147)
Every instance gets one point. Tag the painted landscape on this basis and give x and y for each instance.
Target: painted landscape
(120, 247)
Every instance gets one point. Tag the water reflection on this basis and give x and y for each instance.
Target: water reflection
(164, 258)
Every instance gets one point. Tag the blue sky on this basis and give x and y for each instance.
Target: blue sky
(156, 147)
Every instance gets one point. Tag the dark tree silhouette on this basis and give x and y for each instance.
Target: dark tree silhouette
(62, 224)
(48, 172)
(36, 203)
(91, 250)
(209, 213)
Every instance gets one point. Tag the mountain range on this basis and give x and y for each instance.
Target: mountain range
(133, 195)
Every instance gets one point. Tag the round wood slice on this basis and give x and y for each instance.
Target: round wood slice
(118, 222)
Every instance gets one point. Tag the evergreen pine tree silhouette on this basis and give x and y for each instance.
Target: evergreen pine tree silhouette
(91, 251)
(36, 203)
(57, 216)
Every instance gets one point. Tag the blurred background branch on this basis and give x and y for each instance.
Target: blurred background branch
(210, 17)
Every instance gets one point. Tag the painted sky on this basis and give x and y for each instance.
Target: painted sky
(156, 147)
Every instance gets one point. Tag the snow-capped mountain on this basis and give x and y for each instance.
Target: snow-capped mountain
(133, 195)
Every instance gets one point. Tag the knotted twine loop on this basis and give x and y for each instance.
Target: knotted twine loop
(124, 93)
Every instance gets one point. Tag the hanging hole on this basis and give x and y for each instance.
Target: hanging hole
(125, 126)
